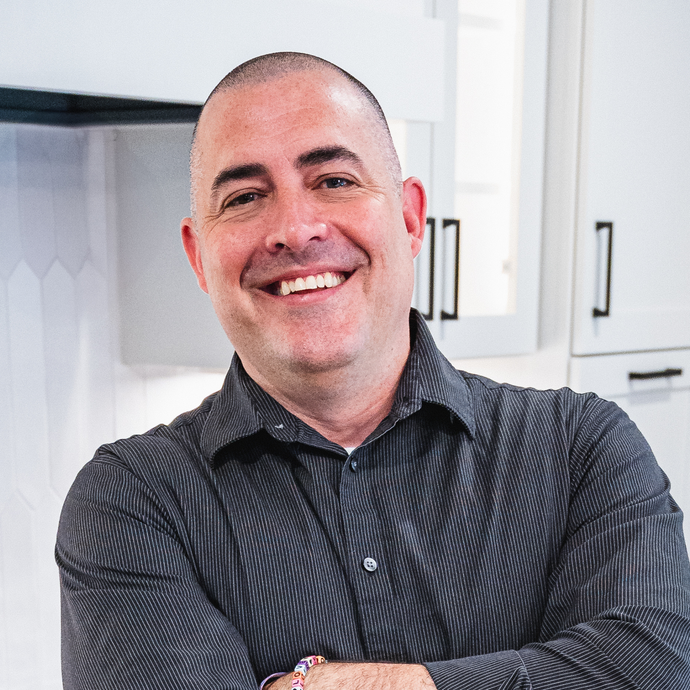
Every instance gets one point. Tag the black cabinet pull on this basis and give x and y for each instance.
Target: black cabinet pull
(431, 224)
(608, 225)
(445, 316)
(664, 374)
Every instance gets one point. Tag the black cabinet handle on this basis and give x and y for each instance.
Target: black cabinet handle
(664, 374)
(431, 224)
(601, 225)
(445, 316)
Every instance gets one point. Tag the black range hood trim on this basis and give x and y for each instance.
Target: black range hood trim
(34, 106)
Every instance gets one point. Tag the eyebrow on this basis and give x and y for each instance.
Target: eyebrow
(237, 172)
(327, 154)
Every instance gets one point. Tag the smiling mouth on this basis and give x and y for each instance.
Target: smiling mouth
(319, 281)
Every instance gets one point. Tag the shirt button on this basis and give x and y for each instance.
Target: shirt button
(353, 465)
(370, 564)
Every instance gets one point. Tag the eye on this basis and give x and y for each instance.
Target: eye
(242, 199)
(335, 182)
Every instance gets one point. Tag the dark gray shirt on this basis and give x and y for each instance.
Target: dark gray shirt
(505, 537)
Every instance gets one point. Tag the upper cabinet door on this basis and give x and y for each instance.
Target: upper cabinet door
(633, 245)
(478, 276)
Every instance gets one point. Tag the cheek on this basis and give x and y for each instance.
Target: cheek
(223, 263)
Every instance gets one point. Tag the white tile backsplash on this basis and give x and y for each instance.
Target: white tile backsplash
(62, 357)
(67, 162)
(63, 388)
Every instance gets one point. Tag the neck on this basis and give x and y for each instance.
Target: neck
(344, 405)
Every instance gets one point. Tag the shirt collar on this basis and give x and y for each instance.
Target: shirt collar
(429, 377)
(242, 408)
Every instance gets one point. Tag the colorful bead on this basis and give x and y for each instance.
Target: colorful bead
(303, 665)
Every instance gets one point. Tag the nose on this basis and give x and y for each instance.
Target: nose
(295, 224)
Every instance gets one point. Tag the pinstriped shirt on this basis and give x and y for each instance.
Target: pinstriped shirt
(504, 537)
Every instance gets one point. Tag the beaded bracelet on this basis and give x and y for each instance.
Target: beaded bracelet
(301, 669)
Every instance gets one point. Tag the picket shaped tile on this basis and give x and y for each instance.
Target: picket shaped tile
(36, 219)
(67, 153)
(99, 197)
(65, 403)
(6, 407)
(28, 377)
(11, 251)
(95, 336)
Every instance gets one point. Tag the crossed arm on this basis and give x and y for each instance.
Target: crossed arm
(616, 618)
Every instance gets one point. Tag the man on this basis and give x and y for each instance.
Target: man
(348, 493)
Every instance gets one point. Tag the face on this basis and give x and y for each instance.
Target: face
(301, 239)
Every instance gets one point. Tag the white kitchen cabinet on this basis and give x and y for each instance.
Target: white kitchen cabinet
(657, 399)
(634, 178)
(179, 50)
(478, 276)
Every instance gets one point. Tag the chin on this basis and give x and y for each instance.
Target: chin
(316, 361)
(310, 347)
(320, 349)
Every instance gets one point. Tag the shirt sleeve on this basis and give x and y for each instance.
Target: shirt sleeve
(133, 613)
(618, 608)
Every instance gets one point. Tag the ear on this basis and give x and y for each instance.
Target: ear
(192, 246)
(414, 212)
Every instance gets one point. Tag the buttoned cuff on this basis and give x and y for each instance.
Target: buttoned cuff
(498, 671)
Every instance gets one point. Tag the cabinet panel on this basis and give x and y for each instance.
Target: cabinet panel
(635, 173)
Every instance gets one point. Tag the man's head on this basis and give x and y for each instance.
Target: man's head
(295, 178)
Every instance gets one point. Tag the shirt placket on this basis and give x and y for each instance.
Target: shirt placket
(369, 568)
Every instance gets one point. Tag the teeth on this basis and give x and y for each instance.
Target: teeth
(321, 280)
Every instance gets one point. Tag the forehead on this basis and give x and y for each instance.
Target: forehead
(286, 115)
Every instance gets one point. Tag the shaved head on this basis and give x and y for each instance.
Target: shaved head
(274, 66)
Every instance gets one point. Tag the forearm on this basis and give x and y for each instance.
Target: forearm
(362, 676)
